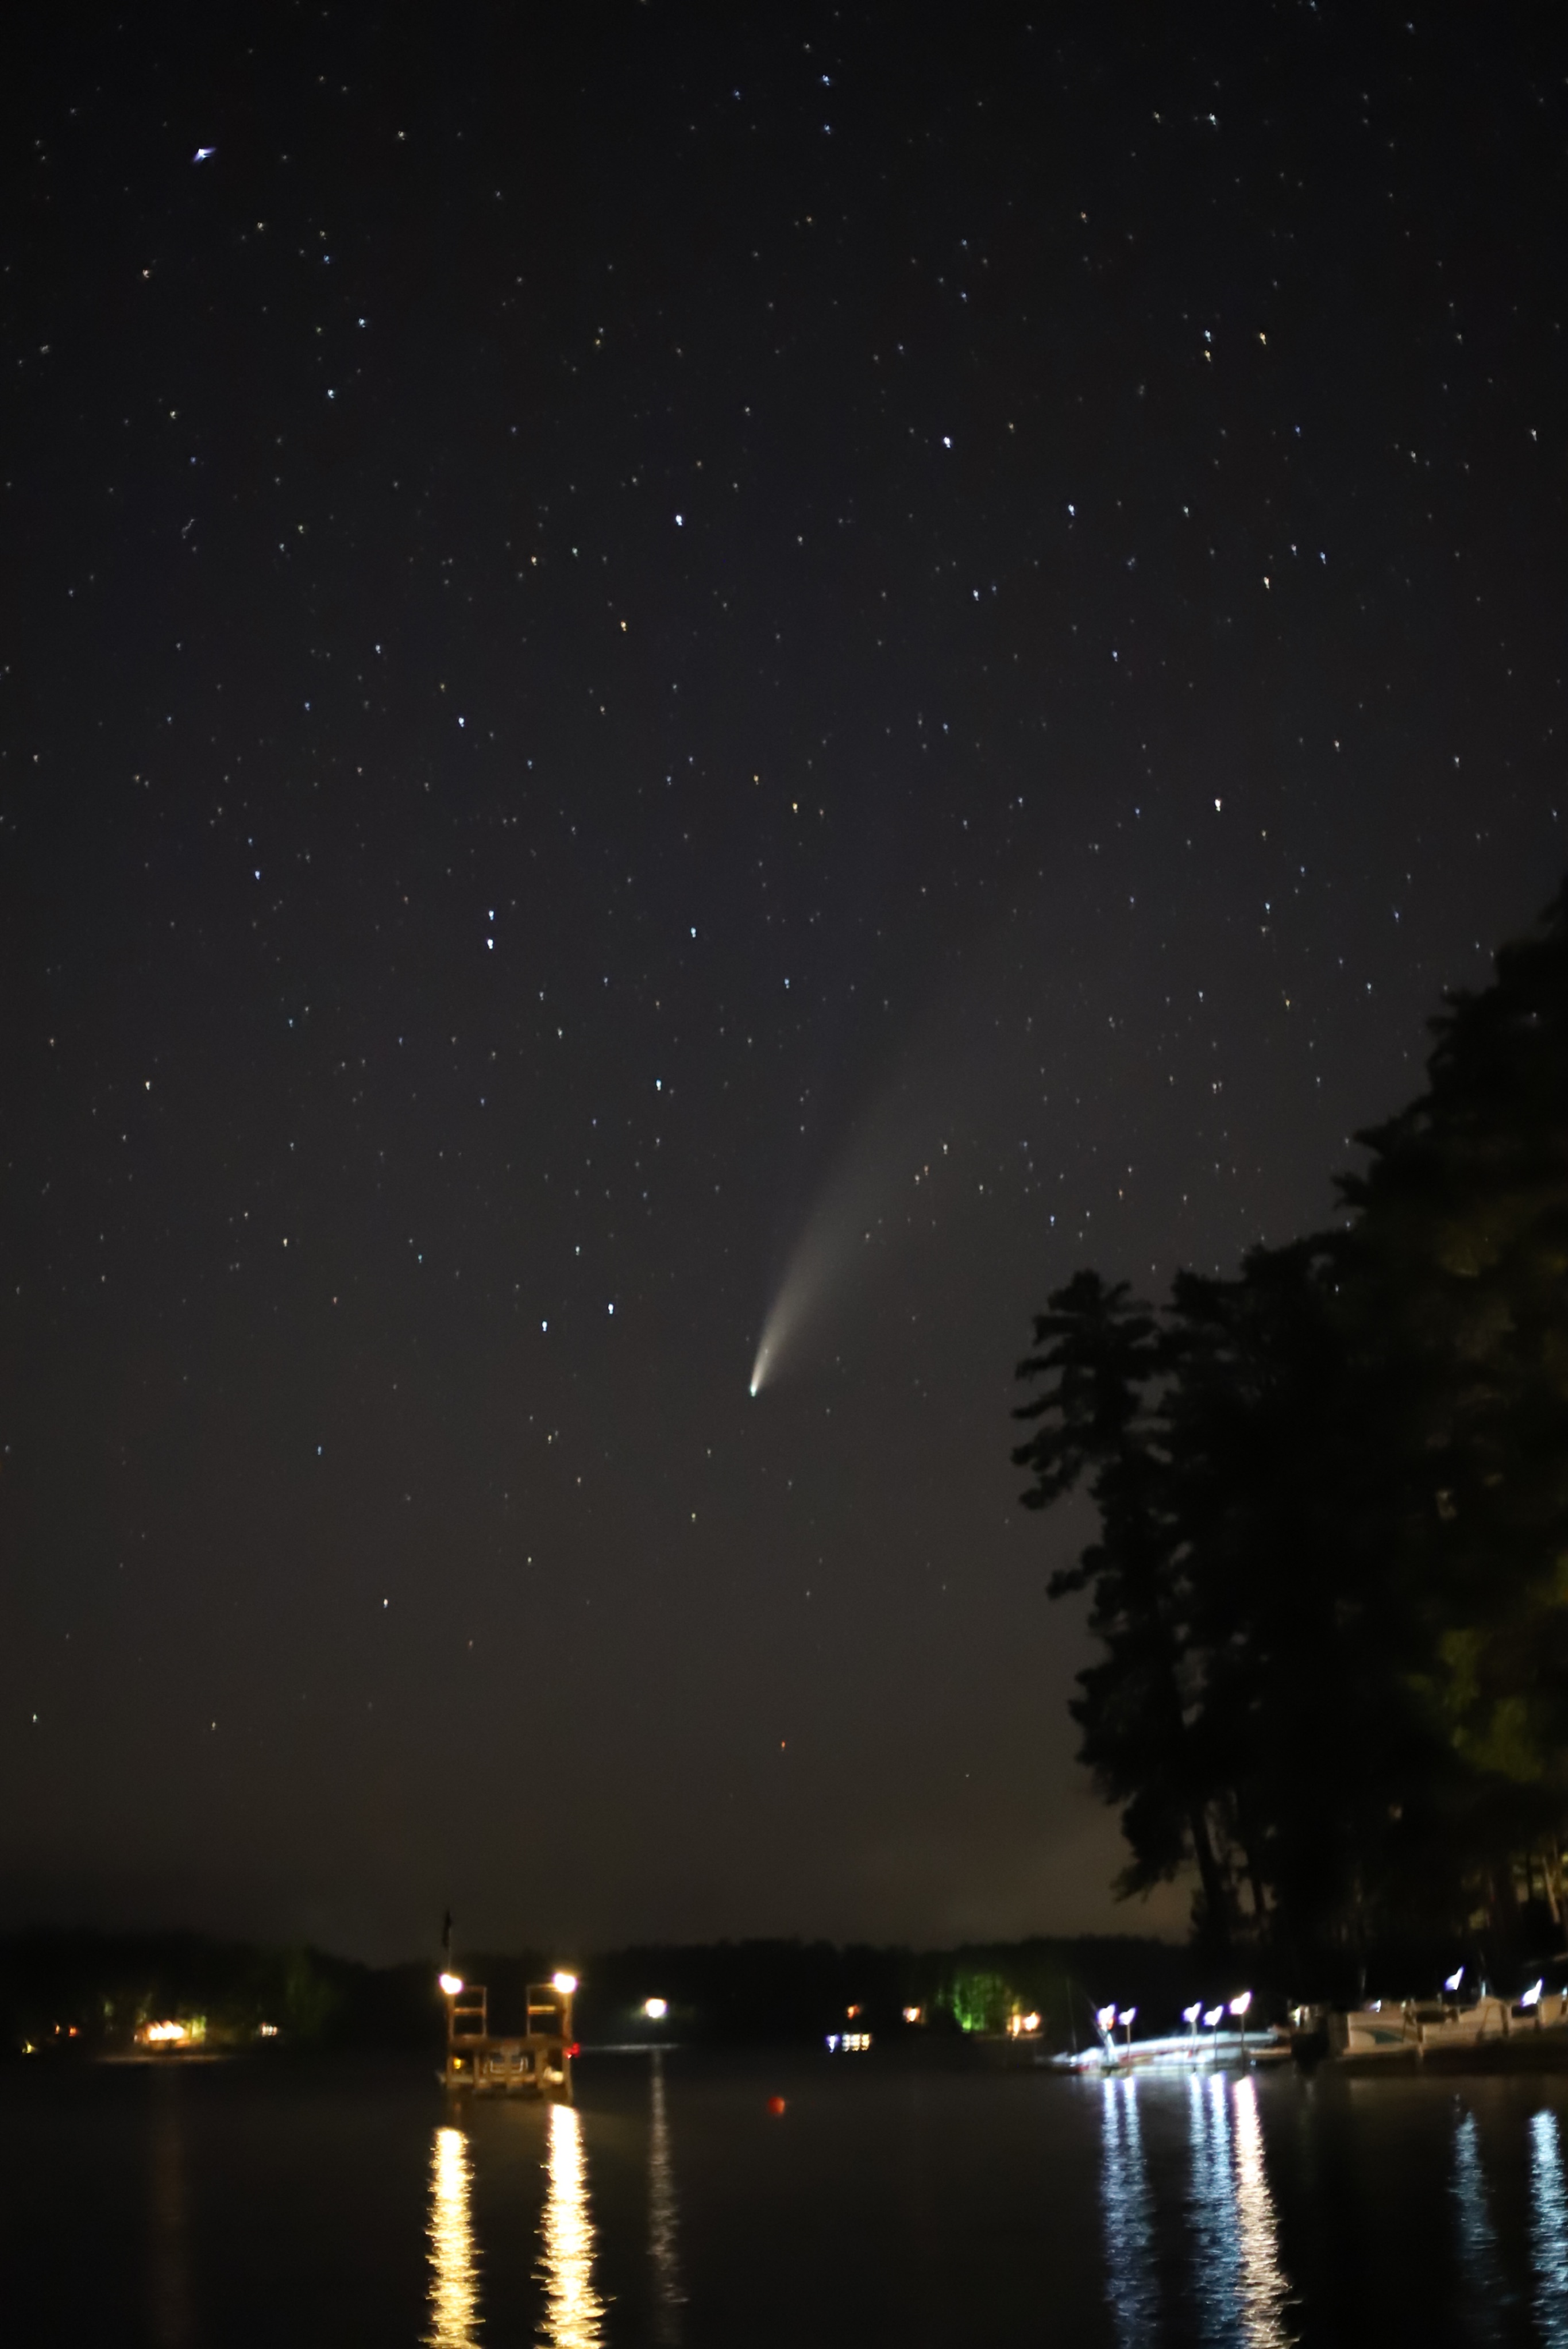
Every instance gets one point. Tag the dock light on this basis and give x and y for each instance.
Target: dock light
(1127, 2017)
(1452, 1982)
(656, 2009)
(1533, 1995)
(1212, 2015)
(1241, 2001)
(451, 1983)
(565, 1983)
(914, 2014)
(1104, 2017)
(1190, 2013)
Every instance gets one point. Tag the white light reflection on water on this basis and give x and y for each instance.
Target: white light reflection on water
(574, 2311)
(1264, 2291)
(668, 2296)
(1549, 2230)
(1215, 2248)
(1478, 2237)
(1131, 2285)
(1238, 2285)
(454, 2263)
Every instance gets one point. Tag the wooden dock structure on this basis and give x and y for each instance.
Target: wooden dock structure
(536, 2062)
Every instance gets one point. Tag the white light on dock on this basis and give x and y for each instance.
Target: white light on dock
(1241, 2001)
(1104, 2017)
(564, 1984)
(1127, 2017)
(451, 1983)
(1190, 2013)
(656, 2009)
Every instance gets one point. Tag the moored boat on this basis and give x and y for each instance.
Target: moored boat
(1421, 2031)
(1187, 2051)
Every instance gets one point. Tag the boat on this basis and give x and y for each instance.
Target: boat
(1187, 2051)
(1419, 2031)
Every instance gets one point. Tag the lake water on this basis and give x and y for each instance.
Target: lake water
(893, 2201)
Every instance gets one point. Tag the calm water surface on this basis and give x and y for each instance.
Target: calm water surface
(891, 2203)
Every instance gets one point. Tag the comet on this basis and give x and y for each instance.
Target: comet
(1003, 1039)
(881, 1191)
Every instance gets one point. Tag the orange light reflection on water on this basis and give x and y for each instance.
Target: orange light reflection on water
(454, 2263)
(573, 2312)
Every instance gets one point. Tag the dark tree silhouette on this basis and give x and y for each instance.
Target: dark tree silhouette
(1461, 1290)
(1097, 1419)
(1331, 1577)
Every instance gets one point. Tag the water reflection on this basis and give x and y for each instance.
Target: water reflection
(171, 2323)
(455, 2262)
(668, 2296)
(1132, 2288)
(1240, 2285)
(1263, 2288)
(1215, 2246)
(1549, 2230)
(573, 2310)
(1477, 2235)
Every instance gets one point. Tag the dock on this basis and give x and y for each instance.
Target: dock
(535, 2061)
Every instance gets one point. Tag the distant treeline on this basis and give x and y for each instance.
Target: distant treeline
(90, 1990)
(737, 1992)
(81, 1992)
(1330, 1580)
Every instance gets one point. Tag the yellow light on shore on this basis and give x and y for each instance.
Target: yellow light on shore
(565, 1983)
(451, 1983)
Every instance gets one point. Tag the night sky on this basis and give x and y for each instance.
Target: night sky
(669, 673)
